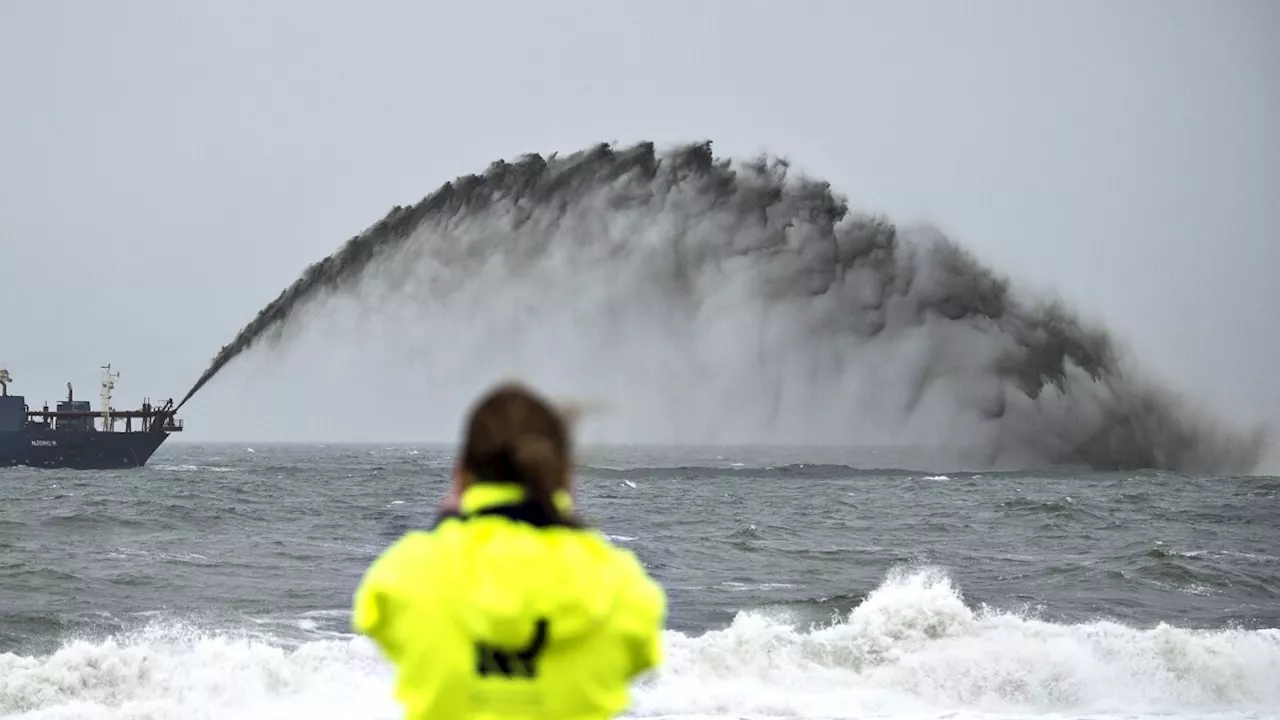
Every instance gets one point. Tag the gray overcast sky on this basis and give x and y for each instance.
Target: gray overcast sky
(166, 168)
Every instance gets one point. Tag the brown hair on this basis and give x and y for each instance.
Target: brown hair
(514, 435)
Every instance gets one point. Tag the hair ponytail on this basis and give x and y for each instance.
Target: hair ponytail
(513, 435)
(538, 468)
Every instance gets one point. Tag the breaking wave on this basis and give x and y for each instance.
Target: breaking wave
(911, 647)
(709, 301)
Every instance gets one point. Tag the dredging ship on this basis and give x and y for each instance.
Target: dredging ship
(76, 437)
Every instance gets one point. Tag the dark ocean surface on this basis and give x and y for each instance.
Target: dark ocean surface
(215, 583)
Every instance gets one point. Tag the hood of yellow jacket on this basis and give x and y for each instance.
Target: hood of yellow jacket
(506, 575)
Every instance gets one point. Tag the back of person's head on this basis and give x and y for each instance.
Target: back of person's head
(515, 436)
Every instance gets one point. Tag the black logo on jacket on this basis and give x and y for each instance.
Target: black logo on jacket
(520, 664)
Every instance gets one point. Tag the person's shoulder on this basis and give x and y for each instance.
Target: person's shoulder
(412, 548)
(413, 541)
(637, 584)
(392, 575)
(639, 608)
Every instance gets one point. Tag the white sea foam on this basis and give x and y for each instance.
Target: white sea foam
(912, 649)
(176, 673)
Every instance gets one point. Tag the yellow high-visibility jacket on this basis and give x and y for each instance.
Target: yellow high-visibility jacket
(496, 614)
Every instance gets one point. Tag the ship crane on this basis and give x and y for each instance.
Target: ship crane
(108, 384)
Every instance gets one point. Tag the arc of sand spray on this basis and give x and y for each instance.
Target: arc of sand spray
(328, 274)
(851, 276)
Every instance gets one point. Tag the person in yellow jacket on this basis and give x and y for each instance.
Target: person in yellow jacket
(511, 607)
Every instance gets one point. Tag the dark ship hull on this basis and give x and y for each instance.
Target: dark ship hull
(75, 437)
(79, 450)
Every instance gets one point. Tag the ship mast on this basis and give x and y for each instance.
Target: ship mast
(108, 384)
(5, 379)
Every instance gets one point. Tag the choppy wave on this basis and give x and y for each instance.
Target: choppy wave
(912, 647)
(190, 468)
(797, 470)
(786, 471)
